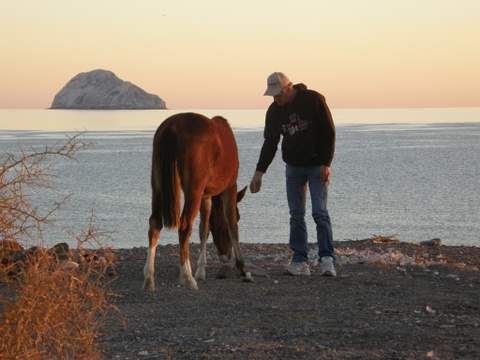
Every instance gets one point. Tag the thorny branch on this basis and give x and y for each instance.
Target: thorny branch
(19, 219)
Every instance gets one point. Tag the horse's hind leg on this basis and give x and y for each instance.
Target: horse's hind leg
(149, 268)
(205, 210)
(231, 217)
(190, 210)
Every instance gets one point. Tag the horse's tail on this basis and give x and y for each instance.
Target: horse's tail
(165, 179)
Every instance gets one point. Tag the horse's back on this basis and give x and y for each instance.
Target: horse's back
(228, 143)
(224, 130)
(193, 135)
(205, 149)
(196, 130)
(186, 125)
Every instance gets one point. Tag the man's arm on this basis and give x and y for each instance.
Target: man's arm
(327, 134)
(271, 135)
(327, 131)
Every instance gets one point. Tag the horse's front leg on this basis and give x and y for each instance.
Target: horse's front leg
(205, 211)
(231, 218)
(227, 266)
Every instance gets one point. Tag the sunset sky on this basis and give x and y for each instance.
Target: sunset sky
(217, 54)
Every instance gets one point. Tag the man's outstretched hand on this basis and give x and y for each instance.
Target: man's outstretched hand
(256, 182)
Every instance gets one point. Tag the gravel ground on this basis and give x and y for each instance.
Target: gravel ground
(382, 305)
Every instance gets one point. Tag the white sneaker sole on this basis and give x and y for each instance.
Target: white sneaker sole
(296, 274)
(328, 274)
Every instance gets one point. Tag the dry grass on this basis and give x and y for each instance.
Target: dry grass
(57, 310)
(55, 306)
(384, 239)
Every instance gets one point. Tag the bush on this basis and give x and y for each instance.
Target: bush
(57, 310)
(55, 306)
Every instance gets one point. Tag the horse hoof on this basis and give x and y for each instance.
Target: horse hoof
(149, 286)
(200, 274)
(192, 284)
(189, 283)
(248, 277)
(224, 272)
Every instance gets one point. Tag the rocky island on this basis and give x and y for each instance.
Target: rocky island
(102, 89)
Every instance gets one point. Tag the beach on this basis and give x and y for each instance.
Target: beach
(390, 300)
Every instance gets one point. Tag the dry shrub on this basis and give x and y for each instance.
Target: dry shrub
(91, 239)
(55, 307)
(57, 311)
(384, 239)
(19, 219)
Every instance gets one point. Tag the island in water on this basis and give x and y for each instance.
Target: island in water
(103, 90)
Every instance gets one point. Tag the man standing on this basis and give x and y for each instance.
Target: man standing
(303, 119)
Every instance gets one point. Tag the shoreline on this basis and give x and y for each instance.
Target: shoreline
(358, 248)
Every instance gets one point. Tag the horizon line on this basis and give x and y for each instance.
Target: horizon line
(255, 108)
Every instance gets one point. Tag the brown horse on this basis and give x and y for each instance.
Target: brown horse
(199, 156)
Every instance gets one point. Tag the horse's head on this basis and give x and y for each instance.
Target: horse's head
(219, 228)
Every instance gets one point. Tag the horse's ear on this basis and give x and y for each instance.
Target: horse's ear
(241, 194)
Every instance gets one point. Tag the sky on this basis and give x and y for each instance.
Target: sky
(217, 54)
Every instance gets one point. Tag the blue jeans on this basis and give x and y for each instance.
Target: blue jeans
(297, 179)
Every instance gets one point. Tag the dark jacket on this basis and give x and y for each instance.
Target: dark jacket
(306, 126)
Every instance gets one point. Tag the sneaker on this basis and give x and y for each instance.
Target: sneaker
(327, 268)
(298, 268)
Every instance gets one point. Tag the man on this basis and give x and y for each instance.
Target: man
(304, 121)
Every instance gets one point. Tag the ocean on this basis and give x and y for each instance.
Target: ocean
(411, 173)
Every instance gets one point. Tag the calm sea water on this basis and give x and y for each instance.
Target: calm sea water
(413, 173)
